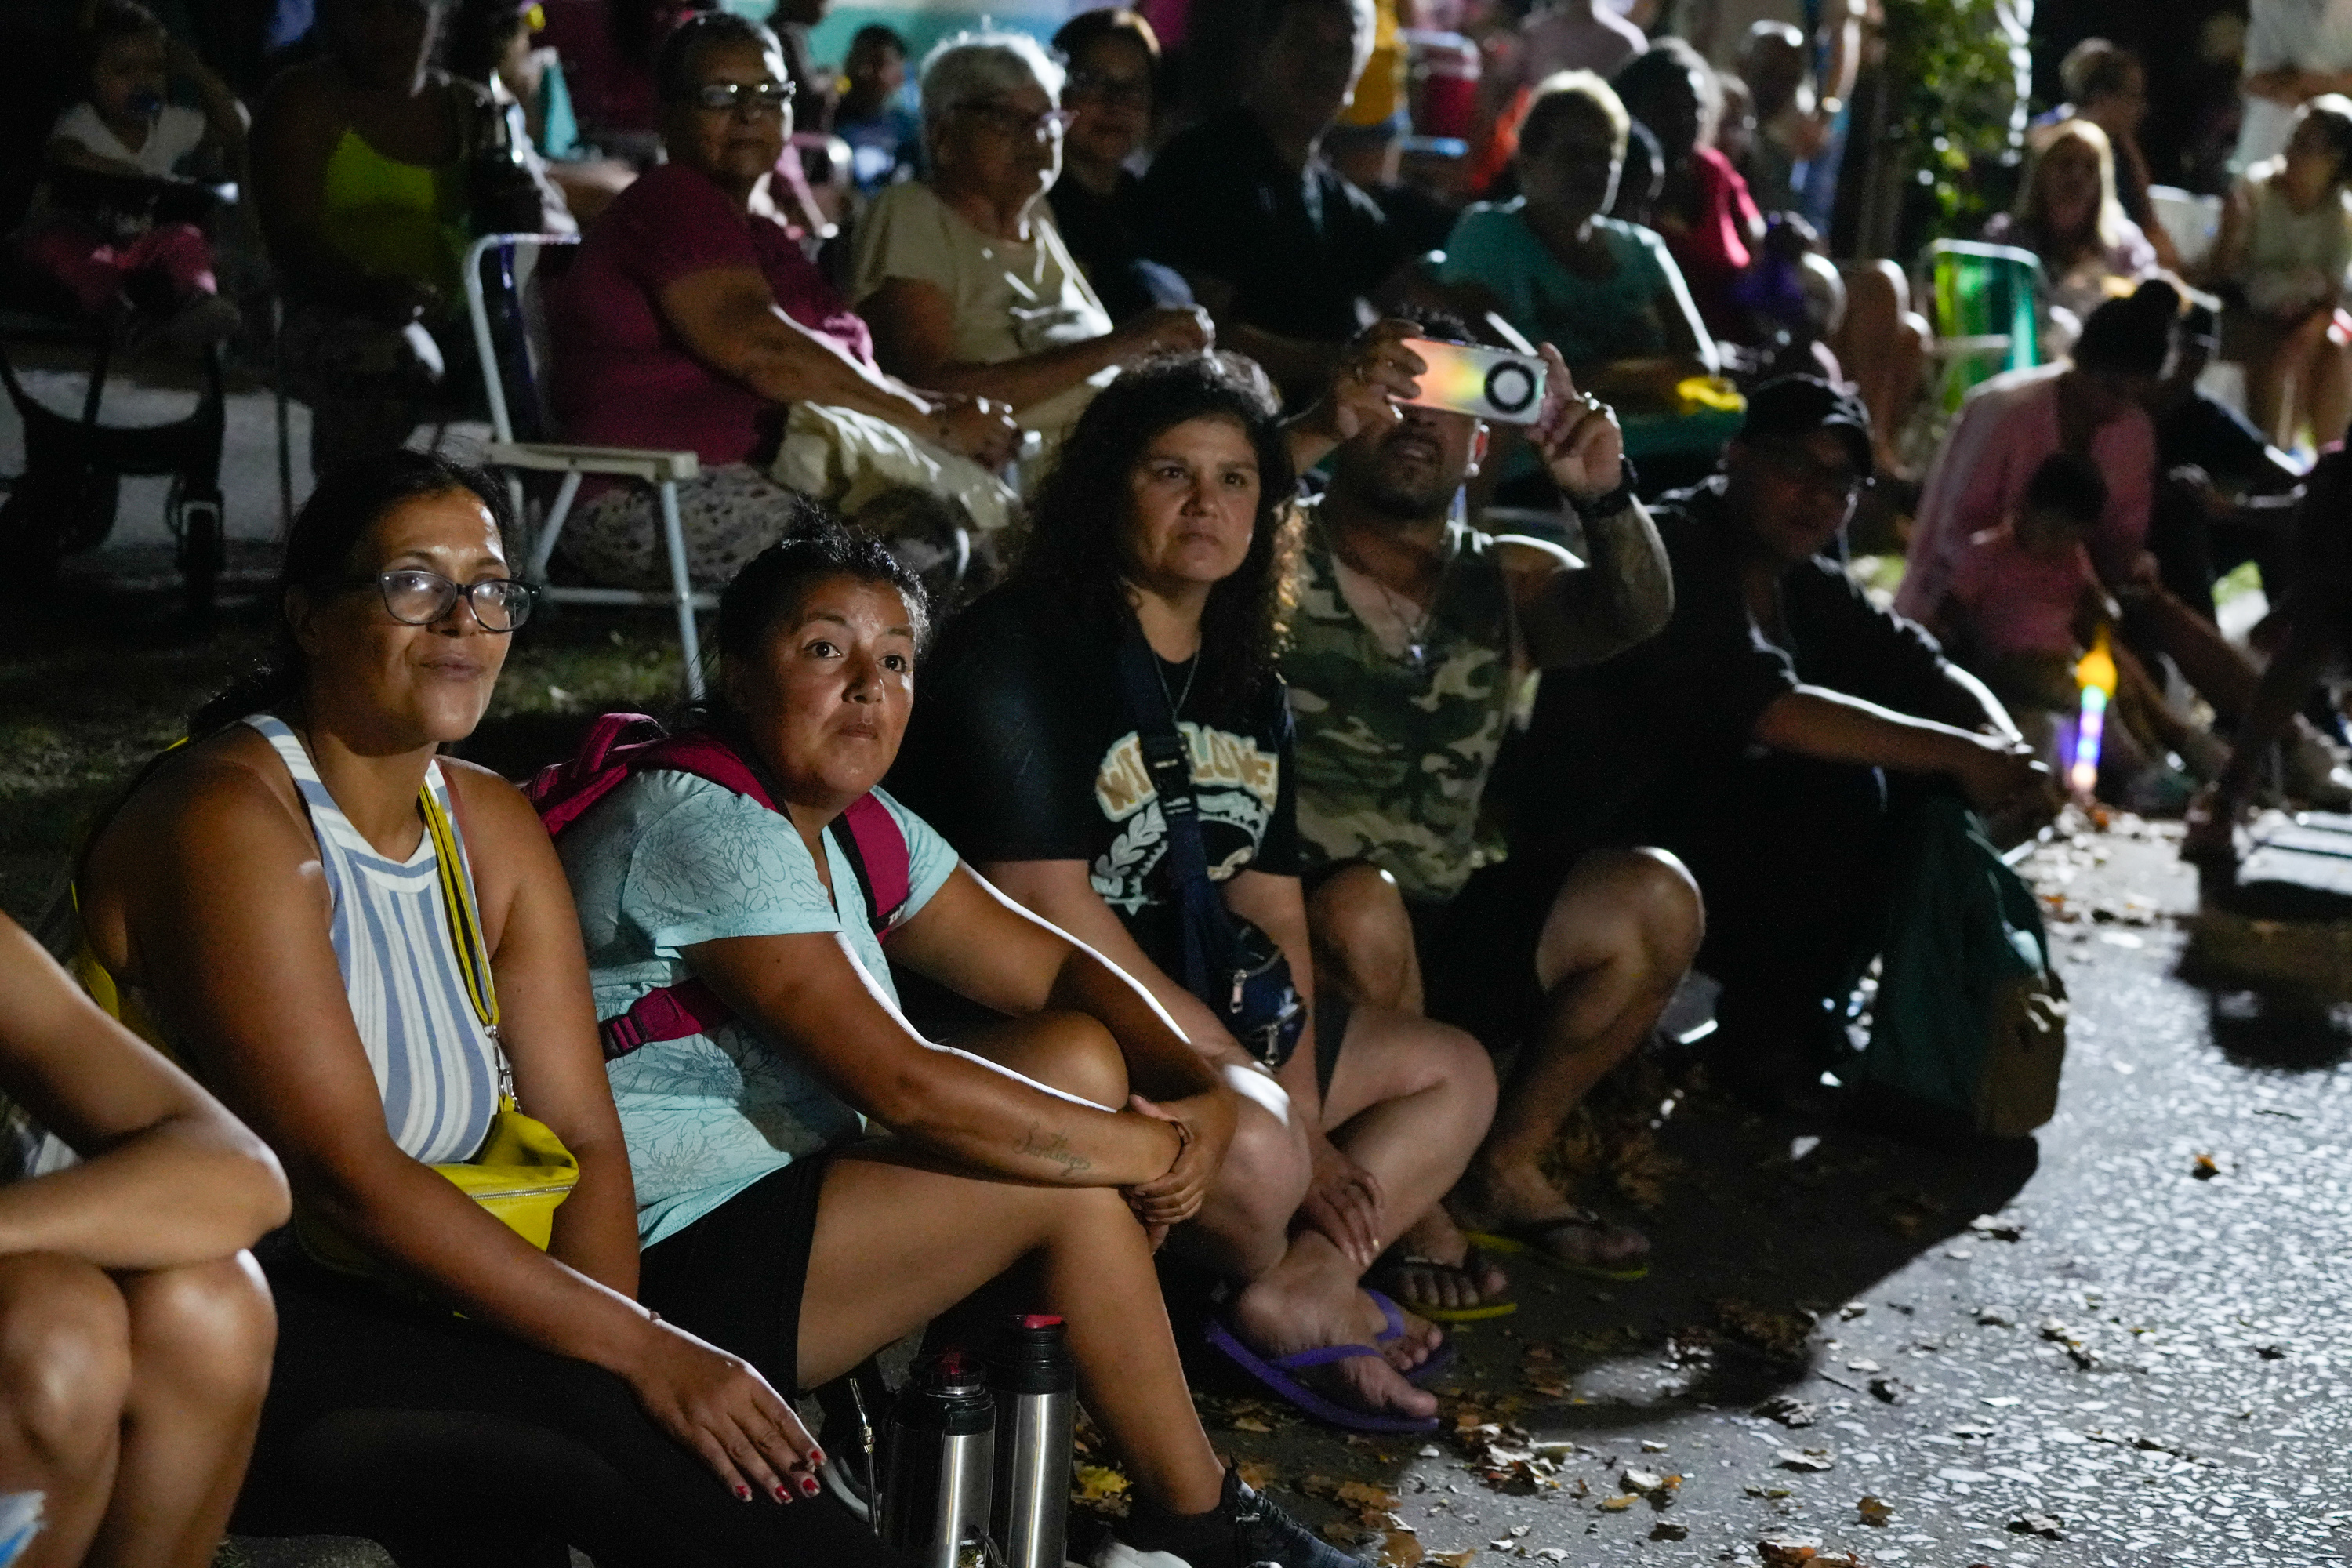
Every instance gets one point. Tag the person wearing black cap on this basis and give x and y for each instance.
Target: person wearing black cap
(1769, 735)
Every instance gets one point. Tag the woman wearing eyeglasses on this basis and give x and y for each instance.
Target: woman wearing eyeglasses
(692, 319)
(962, 275)
(354, 944)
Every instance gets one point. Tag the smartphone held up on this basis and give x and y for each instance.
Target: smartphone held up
(1495, 384)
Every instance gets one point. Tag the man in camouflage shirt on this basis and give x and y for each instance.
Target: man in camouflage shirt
(1413, 637)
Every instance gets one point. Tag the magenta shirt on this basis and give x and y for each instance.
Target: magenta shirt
(622, 378)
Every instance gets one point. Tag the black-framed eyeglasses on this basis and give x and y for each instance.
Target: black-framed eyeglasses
(729, 97)
(1802, 467)
(1134, 93)
(1012, 122)
(415, 597)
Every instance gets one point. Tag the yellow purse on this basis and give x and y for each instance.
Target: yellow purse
(521, 1173)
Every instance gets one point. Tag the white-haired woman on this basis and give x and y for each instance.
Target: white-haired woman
(962, 276)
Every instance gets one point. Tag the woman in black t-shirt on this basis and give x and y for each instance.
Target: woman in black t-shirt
(1168, 517)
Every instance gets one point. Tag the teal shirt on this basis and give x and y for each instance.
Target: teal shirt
(1590, 320)
(669, 860)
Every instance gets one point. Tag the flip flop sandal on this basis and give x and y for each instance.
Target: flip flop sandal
(1482, 1312)
(1434, 1365)
(1277, 1374)
(1526, 1241)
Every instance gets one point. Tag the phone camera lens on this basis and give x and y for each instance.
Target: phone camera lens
(1511, 387)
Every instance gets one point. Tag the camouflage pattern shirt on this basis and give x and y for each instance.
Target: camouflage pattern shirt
(1395, 749)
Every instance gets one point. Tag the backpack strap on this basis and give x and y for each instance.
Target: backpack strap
(622, 744)
(1168, 759)
(562, 792)
(876, 851)
(672, 1013)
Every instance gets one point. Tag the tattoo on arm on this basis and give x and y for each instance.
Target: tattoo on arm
(1624, 594)
(1053, 1147)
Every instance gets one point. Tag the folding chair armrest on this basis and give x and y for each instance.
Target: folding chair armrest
(620, 462)
(1964, 348)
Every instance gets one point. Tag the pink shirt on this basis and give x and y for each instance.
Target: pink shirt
(1713, 251)
(2017, 602)
(2005, 430)
(622, 378)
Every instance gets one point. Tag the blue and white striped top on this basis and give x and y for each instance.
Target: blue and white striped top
(434, 1063)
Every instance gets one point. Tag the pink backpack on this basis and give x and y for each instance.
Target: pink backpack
(622, 745)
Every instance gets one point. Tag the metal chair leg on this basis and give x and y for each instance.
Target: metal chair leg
(542, 544)
(689, 640)
(284, 418)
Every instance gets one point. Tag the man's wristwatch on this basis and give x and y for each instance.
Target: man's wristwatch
(1611, 503)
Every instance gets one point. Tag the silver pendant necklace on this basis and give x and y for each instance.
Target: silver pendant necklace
(1176, 701)
(1412, 619)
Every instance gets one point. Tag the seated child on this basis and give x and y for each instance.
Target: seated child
(2024, 604)
(2020, 591)
(104, 239)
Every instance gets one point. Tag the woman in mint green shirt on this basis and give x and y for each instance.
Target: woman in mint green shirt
(774, 1228)
(1555, 266)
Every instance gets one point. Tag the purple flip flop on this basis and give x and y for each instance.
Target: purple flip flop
(1276, 1373)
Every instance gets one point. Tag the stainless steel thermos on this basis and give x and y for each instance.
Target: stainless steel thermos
(937, 1462)
(1036, 1388)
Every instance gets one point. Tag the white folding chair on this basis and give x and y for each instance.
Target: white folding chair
(2194, 221)
(662, 470)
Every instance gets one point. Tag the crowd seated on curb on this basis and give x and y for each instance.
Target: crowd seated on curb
(1202, 921)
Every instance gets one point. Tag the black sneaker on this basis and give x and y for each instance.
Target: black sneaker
(1243, 1531)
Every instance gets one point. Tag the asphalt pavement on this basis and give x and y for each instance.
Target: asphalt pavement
(2120, 1344)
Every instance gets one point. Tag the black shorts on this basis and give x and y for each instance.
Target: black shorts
(735, 1275)
(408, 1425)
(1478, 949)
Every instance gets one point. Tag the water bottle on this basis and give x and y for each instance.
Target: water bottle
(937, 1464)
(1036, 1386)
(501, 194)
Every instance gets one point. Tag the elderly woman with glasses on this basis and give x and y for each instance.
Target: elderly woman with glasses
(692, 319)
(964, 277)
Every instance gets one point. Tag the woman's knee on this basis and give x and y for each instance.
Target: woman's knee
(1358, 916)
(1071, 1052)
(1266, 1170)
(202, 1333)
(1467, 1071)
(65, 1359)
(1673, 913)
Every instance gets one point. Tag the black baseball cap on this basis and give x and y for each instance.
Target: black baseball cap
(1799, 405)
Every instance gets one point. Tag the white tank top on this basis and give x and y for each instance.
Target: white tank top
(434, 1063)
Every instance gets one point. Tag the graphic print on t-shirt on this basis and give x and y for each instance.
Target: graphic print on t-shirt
(1234, 785)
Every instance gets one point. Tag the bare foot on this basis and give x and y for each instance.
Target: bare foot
(1295, 1307)
(1517, 1201)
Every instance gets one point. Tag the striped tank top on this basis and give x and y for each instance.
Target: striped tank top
(434, 1063)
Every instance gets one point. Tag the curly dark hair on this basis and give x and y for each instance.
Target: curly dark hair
(1075, 540)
